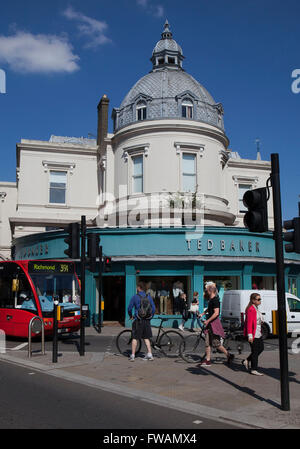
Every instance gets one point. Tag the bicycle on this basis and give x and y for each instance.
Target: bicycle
(192, 348)
(167, 342)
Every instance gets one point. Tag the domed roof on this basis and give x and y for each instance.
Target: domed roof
(167, 91)
(167, 84)
(167, 42)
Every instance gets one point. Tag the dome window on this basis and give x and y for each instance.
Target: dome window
(141, 110)
(161, 61)
(171, 60)
(187, 108)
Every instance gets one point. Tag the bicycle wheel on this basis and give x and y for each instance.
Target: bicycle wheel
(192, 348)
(169, 343)
(123, 342)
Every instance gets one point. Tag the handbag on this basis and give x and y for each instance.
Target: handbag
(194, 308)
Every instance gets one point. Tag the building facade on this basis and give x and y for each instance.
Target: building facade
(164, 192)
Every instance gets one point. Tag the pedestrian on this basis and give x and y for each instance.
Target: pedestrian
(252, 331)
(144, 310)
(213, 328)
(194, 309)
(183, 310)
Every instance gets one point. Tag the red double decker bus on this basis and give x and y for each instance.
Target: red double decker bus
(27, 289)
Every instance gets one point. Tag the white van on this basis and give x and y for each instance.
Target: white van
(235, 302)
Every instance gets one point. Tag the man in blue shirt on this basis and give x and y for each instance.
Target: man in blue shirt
(141, 327)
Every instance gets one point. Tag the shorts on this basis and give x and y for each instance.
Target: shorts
(212, 339)
(141, 329)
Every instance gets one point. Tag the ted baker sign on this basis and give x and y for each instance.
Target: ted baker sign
(222, 245)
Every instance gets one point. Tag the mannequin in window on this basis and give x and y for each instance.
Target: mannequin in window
(177, 291)
(151, 289)
(163, 297)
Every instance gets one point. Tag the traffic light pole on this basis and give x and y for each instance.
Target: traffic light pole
(100, 290)
(278, 237)
(82, 293)
(55, 331)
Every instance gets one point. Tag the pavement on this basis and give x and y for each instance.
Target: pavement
(223, 393)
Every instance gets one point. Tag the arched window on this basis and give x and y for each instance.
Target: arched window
(187, 108)
(141, 110)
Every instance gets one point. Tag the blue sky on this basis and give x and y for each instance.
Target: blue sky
(60, 57)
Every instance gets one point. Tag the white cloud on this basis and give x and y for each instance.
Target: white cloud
(159, 11)
(142, 2)
(26, 52)
(155, 10)
(92, 28)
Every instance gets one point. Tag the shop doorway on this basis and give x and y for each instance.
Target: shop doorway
(114, 298)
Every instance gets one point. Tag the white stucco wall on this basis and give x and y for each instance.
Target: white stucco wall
(35, 160)
(8, 201)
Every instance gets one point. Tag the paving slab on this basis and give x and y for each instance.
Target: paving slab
(221, 392)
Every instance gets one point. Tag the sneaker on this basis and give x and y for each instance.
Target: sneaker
(131, 358)
(181, 327)
(230, 358)
(256, 373)
(246, 364)
(192, 330)
(148, 357)
(205, 363)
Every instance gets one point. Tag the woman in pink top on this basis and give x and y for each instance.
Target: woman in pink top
(252, 331)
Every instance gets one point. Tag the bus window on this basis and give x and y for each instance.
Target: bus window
(24, 298)
(6, 294)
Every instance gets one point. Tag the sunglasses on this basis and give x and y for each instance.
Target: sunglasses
(258, 299)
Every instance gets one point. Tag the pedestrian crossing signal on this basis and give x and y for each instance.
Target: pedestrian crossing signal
(107, 264)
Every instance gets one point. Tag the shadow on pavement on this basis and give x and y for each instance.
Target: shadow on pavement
(203, 371)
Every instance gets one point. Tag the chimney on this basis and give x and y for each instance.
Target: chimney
(102, 120)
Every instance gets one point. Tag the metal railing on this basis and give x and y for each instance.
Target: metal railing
(39, 327)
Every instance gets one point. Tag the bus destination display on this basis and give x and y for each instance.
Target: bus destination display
(50, 267)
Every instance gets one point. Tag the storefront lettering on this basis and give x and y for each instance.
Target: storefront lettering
(233, 246)
(38, 250)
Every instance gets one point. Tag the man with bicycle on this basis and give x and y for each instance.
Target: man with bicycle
(144, 310)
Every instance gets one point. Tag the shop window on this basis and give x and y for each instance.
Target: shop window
(242, 190)
(141, 110)
(188, 172)
(187, 108)
(137, 174)
(263, 283)
(292, 286)
(58, 185)
(165, 292)
(223, 283)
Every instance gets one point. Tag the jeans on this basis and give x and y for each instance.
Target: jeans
(194, 317)
(257, 348)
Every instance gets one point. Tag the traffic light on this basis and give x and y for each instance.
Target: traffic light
(292, 237)
(72, 241)
(107, 264)
(256, 201)
(93, 250)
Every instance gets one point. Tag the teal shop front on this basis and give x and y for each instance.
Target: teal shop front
(169, 260)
